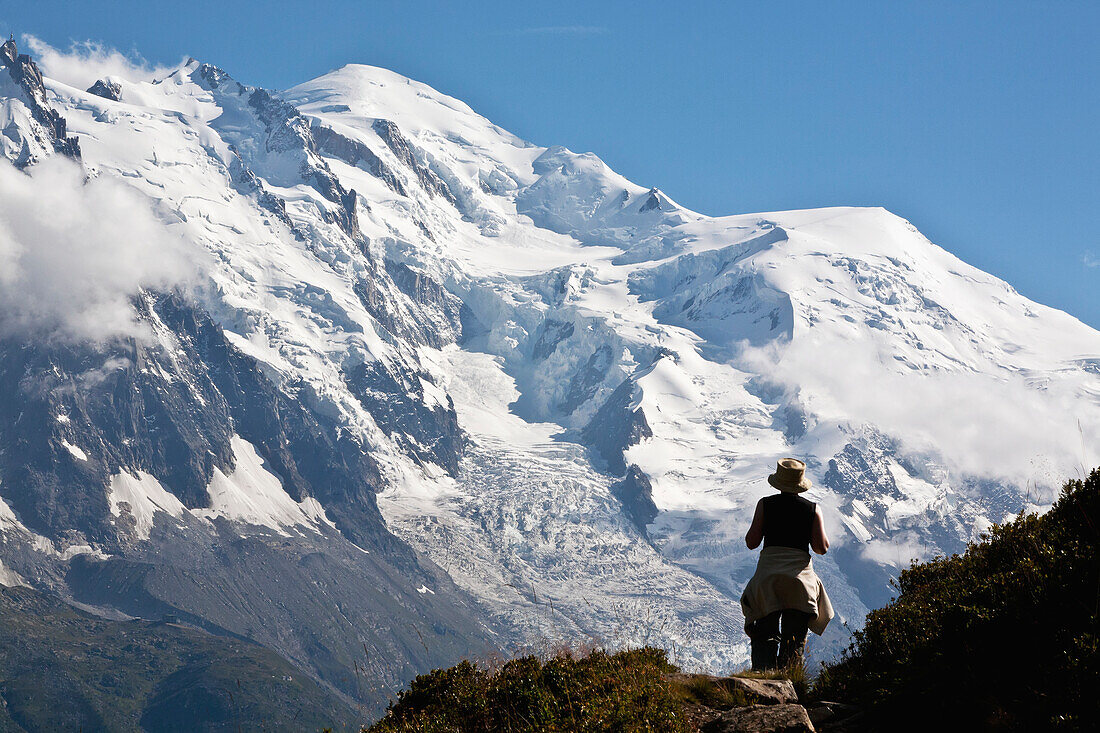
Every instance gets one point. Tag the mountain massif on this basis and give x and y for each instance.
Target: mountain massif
(349, 372)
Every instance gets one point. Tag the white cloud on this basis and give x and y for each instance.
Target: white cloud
(86, 62)
(899, 550)
(1090, 260)
(985, 425)
(74, 252)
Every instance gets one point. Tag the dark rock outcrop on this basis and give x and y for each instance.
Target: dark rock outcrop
(73, 416)
(25, 73)
(396, 400)
(399, 144)
(107, 89)
(247, 182)
(411, 306)
(138, 406)
(551, 333)
(652, 201)
(288, 131)
(616, 426)
(762, 719)
(636, 494)
(331, 143)
(586, 381)
(445, 318)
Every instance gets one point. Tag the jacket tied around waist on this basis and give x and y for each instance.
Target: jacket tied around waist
(785, 578)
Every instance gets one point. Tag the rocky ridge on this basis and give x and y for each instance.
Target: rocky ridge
(24, 146)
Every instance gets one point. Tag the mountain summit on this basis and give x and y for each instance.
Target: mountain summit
(381, 378)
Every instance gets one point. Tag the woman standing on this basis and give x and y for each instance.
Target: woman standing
(785, 598)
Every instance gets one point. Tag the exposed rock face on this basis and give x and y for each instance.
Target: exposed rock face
(441, 318)
(551, 333)
(247, 182)
(107, 89)
(765, 692)
(288, 135)
(399, 144)
(586, 381)
(397, 401)
(718, 704)
(353, 152)
(201, 396)
(288, 128)
(653, 201)
(636, 493)
(616, 426)
(75, 419)
(24, 73)
(762, 719)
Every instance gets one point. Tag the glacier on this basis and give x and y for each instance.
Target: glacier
(434, 379)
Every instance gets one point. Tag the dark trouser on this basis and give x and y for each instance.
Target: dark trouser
(769, 646)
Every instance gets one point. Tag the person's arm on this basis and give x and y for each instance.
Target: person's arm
(818, 539)
(756, 530)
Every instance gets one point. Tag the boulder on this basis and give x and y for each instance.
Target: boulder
(762, 719)
(725, 692)
(764, 692)
(837, 717)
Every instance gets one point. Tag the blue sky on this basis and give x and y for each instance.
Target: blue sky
(977, 121)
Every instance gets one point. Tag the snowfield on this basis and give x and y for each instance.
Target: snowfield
(623, 372)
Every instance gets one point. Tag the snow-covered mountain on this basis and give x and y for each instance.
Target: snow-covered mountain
(348, 368)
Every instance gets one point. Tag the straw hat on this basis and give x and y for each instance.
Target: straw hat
(790, 475)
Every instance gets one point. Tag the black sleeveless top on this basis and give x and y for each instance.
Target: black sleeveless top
(788, 521)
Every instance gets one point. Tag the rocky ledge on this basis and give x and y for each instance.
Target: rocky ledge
(757, 705)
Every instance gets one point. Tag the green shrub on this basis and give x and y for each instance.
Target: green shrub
(625, 691)
(1002, 637)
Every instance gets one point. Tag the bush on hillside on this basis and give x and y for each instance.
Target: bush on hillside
(1003, 637)
(625, 691)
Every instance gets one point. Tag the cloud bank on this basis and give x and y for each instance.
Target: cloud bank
(998, 426)
(88, 61)
(73, 254)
